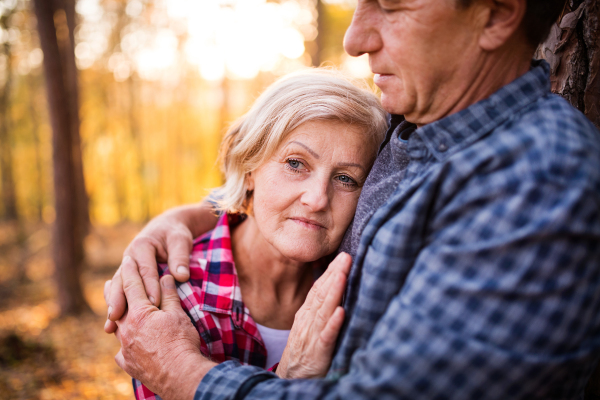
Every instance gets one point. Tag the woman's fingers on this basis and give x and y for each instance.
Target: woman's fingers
(317, 325)
(331, 331)
(333, 298)
(341, 263)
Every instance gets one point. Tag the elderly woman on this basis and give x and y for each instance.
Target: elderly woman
(294, 167)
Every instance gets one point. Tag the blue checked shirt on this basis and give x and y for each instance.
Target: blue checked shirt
(479, 278)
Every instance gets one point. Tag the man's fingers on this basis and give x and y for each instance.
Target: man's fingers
(179, 247)
(120, 360)
(170, 298)
(144, 253)
(110, 326)
(133, 285)
(116, 299)
(107, 290)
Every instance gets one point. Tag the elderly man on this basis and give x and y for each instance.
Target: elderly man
(476, 241)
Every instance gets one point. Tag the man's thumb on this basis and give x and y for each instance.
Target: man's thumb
(169, 297)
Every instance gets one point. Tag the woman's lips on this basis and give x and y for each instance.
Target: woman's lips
(308, 223)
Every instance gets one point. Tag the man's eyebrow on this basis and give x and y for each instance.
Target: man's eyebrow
(311, 151)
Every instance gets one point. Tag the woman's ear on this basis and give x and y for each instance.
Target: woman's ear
(249, 182)
(504, 20)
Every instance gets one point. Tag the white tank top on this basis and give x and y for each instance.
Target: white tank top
(275, 341)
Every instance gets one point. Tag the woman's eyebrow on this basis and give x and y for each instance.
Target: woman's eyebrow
(352, 165)
(311, 151)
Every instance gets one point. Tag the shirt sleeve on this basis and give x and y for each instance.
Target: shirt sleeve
(502, 301)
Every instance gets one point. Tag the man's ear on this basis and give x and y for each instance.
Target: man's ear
(504, 20)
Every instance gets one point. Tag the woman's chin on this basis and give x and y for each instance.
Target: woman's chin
(305, 252)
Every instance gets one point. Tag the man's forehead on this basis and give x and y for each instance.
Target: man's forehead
(396, 3)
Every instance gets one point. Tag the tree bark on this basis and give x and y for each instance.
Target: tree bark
(573, 52)
(9, 196)
(68, 244)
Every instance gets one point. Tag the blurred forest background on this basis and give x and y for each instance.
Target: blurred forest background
(112, 111)
(135, 96)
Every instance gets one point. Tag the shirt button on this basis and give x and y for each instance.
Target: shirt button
(442, 147)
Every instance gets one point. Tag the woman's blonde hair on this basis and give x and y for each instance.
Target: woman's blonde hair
(308, 95)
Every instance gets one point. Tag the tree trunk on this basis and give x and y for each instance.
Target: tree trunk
(573, 51)
(67, 53)
(317, 56)
(68, 246)
(9, 197)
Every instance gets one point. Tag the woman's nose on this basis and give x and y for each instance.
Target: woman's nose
(316, 195)
(363, 34)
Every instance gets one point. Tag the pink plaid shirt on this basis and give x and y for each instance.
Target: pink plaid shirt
(213, 301)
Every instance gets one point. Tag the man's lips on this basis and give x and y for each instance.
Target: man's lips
(380, 79)
(308, 223)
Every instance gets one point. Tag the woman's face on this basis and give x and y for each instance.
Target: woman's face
(305, 195)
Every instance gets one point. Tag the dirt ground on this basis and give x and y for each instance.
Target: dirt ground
(46, 357)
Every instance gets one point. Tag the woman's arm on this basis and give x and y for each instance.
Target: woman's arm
(167, 238)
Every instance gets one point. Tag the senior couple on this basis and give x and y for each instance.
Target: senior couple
(472, 225)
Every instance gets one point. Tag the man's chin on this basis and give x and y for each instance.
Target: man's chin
(393, 103)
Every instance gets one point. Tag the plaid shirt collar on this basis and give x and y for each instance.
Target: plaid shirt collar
(220, 288)
(448, 135)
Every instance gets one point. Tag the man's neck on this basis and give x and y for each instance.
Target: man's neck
(487, 75)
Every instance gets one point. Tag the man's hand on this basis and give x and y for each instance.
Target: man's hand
(167, 238)
(160, 347)
(316, 325)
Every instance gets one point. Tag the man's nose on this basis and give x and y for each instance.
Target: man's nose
(316, 195)
(363, 34)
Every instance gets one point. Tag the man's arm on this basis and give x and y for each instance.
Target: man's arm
(159, 370)
(493, 308)
(167, 237)
(496, 306)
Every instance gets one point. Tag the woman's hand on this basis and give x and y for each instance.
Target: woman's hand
(317, 325)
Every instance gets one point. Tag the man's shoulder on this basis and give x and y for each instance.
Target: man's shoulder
(551, 140)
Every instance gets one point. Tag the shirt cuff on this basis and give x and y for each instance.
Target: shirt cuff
(229, 379)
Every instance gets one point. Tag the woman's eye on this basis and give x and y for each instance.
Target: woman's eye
(346, 181)
(294, 165)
